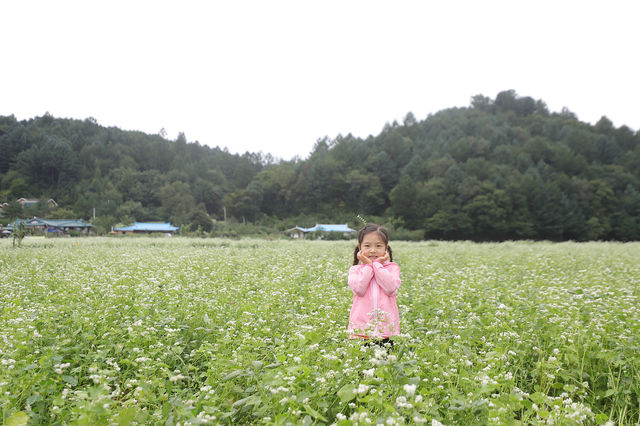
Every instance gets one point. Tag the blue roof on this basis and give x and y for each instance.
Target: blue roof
(149, 226)
(327, 228)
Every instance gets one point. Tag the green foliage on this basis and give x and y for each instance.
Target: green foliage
(13, 210)
(199, 219)
(18, 234)
(500, 169)
(217, 331)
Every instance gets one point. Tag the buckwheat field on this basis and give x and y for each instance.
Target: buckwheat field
(204, 331)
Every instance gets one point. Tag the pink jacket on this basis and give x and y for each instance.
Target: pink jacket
(374, 312)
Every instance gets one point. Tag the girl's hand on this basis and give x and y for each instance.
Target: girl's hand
(364, 259)
(384, 257)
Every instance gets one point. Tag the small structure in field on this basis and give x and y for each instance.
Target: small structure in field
(46, 227)
(299, 232)
(147, 228)
(31, 202)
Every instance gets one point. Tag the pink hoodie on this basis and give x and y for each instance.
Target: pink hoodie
(374, 312)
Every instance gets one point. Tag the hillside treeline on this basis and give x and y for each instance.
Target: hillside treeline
(503, 168)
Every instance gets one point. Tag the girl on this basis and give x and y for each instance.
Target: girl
(374, 280)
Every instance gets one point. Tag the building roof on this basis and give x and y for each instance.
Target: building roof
(149, 227)
(34, 201)
(323, 227)
(54, 223)
(67, 223)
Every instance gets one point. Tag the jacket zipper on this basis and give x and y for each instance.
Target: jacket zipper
(375, 305)
(375, 294)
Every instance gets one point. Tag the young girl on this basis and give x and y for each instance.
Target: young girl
(374, 280)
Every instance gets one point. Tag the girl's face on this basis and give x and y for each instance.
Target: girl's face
(373, 246)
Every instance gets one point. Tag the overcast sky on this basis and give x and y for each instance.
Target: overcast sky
(275, 76)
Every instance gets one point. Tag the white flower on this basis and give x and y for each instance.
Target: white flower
(176, 378)
(410, 389)
(369, 373)
(363, 389)
(419, 420)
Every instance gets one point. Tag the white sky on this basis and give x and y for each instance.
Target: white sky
(275, 76)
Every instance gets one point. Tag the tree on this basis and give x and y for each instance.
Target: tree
(199, 219)
(18, 234)
(404, 204)
(481, 102)
(209, 195)
(489, 213)
(14, 185)
(409, 119)
(11, 144)
(385, 169)
(503, 168)
(365, 194)
(247, 204)
(51, 162)
(177, 201)
(506, 100)
(13, 210)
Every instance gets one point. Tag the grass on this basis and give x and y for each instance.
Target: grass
(195, 331)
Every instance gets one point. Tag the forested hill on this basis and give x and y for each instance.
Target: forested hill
(503, 168)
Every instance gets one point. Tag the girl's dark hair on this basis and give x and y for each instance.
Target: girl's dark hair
(372, 227)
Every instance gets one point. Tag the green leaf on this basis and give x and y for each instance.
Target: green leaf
(250, 400)
(34, 398)
(17, 419)
(241, 402)
(312, 337)
(314, 413)
(347, 393)
(72, 380)
(601, 418)
(233, 374)
(537, 397)
(126, 416)
(274, 365)
(608, 393)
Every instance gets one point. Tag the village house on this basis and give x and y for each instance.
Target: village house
(31, 202)
(146, 228)
(48, 227)
(298, 232)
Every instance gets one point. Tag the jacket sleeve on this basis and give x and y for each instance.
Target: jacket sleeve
(359, 278)
(387, 277)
